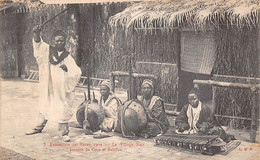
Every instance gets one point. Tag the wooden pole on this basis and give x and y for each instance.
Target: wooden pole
(131, 87)
(258, 74)
(254, 114)
(214, 89)
(134, 95)
(137, 75)
(88, 79)
(112, 81)
(178, 61)
(238, 77)
(233, 117)
(226, 84)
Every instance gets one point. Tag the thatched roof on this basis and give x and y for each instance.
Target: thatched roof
(23, 6)
(194, 13)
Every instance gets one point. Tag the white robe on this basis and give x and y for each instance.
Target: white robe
(56, 87)
(193, 115)
(111, 107)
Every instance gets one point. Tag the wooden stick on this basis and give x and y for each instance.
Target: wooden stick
(92, 78)
(225, 84)
(121, 73)
(85, 96)
(238, 77)
(55, 16)
(233, 117)
(170, 64)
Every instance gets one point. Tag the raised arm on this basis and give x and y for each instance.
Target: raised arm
(40, 48)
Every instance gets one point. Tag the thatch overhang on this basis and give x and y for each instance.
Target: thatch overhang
(197, 14)
(24, 6)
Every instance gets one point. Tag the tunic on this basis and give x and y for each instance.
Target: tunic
(204, 119)
(157, 120)
(111, 107)
(55, 85)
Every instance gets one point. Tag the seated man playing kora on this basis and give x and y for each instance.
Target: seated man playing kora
(111, 105)
(157, 121)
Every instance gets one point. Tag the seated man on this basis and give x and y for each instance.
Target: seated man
(111, 106)
(194, 117)
(157, 122)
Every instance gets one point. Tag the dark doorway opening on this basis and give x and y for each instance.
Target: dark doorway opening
(186, 84)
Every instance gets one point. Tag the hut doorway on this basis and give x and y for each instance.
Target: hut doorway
(197, 58)
(186, 84)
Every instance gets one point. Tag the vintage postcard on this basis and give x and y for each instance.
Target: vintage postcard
(129, 79)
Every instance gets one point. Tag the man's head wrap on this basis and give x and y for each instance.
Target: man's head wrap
(195, 91)
(148, 81)
(59, 33)
(106, 83)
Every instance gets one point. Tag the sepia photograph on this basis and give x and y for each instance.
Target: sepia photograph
(129, 79)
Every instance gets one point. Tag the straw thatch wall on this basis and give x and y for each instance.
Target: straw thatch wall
(237, 55)
(95, 38)
(156, 52)
(152, 52)
(236, 52)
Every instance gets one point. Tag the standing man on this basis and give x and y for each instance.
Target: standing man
(154, 107)
(58, 76)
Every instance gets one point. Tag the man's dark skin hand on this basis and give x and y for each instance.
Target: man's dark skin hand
(64, 67)
(36, 33)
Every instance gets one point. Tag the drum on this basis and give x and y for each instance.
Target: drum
(95, 115)
(132, 118)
